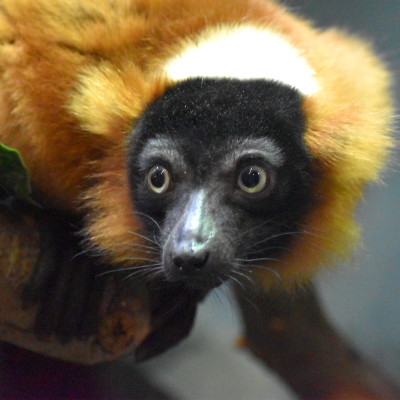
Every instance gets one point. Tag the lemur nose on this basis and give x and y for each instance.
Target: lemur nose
(191, 244)
(191, 261)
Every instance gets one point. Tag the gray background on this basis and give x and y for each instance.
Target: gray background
(362, 297)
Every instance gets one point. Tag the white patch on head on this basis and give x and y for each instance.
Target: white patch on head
(242, 52)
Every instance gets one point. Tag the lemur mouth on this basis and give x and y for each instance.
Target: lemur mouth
(200, 281)
(209, 282)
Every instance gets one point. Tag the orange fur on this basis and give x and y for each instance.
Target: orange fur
(76, 75)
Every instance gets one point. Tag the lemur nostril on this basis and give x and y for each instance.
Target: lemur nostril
(187, 263)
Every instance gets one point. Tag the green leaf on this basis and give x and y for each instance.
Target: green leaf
(14, 178)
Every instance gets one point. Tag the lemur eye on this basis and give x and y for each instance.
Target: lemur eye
(158, 179)
(253, 179)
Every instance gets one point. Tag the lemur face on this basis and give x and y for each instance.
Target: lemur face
(220, 176)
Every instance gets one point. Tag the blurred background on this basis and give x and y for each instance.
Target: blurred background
(361, 298)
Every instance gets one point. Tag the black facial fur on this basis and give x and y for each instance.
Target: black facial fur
(221, 166)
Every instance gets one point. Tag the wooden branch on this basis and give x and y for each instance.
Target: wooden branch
(53, 301)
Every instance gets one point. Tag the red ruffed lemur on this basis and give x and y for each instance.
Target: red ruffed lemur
(198, 140)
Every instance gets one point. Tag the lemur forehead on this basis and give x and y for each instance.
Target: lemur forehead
(242, 52)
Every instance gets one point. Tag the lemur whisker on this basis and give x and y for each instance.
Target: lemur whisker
(142, 246)
(146, 272)
(237, 281)
(257, 259)
(258, 226)
(243, 275)
(147, 216)
(143, 237)
(273, 237)
(127, 269)
(265, 269)
(263, 250)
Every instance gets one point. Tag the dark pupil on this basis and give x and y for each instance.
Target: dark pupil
(251, 178)
(158, 177)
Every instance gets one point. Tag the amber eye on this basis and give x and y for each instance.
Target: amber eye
(253, 179)
(158, 179)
